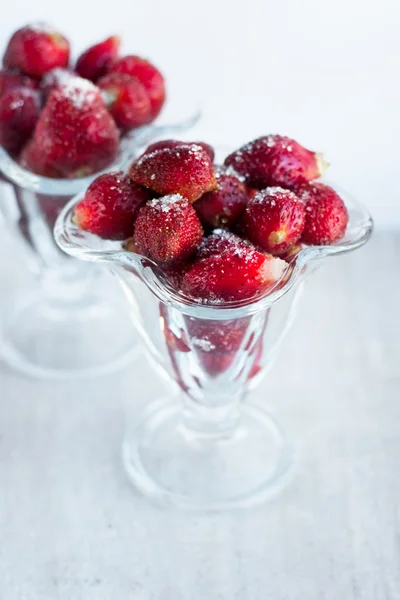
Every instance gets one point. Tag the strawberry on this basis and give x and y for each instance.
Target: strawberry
(257, 360)
(251, 192)
(9, 80)
(96, 61)
(207, 149)
(126, 99)
(217, 337)
(110, 206)
(148, 75)
(222, 241)
(275, 160)
(75, 134)
(167, 230)
(274, 219)
(54, 79)
(232, 275)
(173, 143)
(326, 214)
(186, 170)
(215, 364)
(223, 206)
(19, 112)
(36, 49)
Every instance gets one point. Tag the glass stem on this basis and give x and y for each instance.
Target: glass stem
(66, 281)
(218, 414)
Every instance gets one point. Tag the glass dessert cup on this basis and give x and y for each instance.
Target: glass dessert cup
(72, 323)
(207, 447)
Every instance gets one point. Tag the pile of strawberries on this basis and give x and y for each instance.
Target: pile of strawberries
(221, 233)
(63, 123)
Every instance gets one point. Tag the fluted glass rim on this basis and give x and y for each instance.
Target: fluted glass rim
(86, 246)
(89, 247)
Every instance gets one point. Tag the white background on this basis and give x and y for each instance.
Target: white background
(324, 72)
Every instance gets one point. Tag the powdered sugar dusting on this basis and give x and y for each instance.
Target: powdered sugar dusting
(268, 195)
(80, 92)
(57, 76)
(227, 170)
(166, 204)
(222, 241)
(192, 149)
(203, 344)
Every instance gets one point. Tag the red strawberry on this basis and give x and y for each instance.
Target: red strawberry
(75, 135)
(126, 99)
(222, 241)
(326, 214)
(251, 192)
(36, 49)
(173, 143)
(9, 80)
(274, 219)
(215, 364)
(217, 336)
(96, 61)
(148, 76)
(231, 276)
(257, 360)
(223, 206)
(275, 160)
(207, 149)
(54, 79)
(167, 230)
(19, 112)
(186, 170)
(110, 206)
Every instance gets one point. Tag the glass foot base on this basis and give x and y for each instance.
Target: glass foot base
(42, 339)
(178, 467)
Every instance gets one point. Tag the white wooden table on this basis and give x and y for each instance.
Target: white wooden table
(72, 528)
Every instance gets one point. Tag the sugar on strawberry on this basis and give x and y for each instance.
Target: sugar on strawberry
(274, 219)
(220, 337)
(240, 273)
(75, 134)
(326, 215)
(36, 49)
(96, 61)
(185, 169)
(55, 78)
(161, 144)
(275, 160)
(110, 206)
(273, 224)
(37, 57)
(167, 230)
(222, 241)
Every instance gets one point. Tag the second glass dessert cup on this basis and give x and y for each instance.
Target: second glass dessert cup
(208, 447)
(72, 322)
